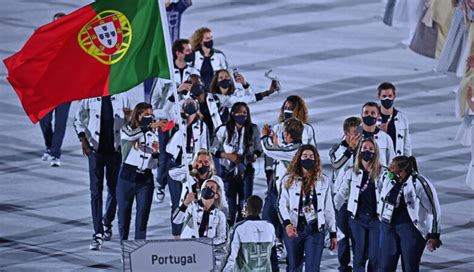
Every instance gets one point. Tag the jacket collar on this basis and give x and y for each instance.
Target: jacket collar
(252, 217)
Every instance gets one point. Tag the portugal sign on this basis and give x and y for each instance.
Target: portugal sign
(106, 37)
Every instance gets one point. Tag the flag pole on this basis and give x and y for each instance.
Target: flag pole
(177, 111)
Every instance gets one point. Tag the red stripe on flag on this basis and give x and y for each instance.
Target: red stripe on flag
(52, 68)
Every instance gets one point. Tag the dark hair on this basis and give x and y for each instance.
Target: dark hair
(386, 86)
(300, 111)
(295, 170)
(178, 46)
(215, 89)
(58, 15)
(406, 164)
(137, 111)
(230, 125)
(371, 104)
(351, 122)
(294, 127)
(254, 205)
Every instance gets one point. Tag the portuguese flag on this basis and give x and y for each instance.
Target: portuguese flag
(101, 49)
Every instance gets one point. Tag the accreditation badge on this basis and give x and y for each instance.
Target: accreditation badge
(387, 212)
(310, 214)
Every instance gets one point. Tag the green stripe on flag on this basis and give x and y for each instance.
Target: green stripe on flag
(146, 54)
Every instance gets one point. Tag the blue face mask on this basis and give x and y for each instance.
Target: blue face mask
(196, 90)
(288, 114)
(146, 120)
(209, 44)
(190, 109)
(207, 193)
(369, 120)
(189, 57)
(307, 164)
(367, 155)
(387, 103)
(203, 170)
(224, 84)
(240, 119)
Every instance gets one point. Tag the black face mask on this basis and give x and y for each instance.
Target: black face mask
(240, 119)
(207, 193)
(209, 44)
(225, 83)
(387, 103)
(190, 109)
(307, 164)
(369, 120)
(203, 170)
(196, 90)
(367, 155)
(146, 120)
(288, 114)
(189, 57)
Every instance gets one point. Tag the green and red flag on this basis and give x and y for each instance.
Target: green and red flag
(101, 49)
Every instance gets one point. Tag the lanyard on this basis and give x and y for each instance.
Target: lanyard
(311, 194)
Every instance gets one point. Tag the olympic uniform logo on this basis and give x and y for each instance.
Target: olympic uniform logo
(107, 37)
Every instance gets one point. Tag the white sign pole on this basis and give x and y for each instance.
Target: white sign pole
(177, 110)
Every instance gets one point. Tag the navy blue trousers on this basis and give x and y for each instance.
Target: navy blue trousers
(405, 240)
(365, 231)
(100, 166)
(343, 245)
(307, 246)
(53, 139)
(175, 188)
(132, 186)
(270, 211)
(163, 177)
(237, 189)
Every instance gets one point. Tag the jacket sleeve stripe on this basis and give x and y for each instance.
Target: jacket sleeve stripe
(429, 193)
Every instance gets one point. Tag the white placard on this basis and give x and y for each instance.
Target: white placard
(168, 255)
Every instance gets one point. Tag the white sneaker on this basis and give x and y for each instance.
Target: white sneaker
(55, 162)
(46, 156)
(159, 194)
(97, 241)
(281, 251)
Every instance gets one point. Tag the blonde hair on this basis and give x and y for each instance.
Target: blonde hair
(295, 170)
(197, 37)
(374, 165)
(212, 166)
(219, 201)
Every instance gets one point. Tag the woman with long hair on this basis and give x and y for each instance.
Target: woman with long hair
(293, 106)
(227, 93)
(237, 145)
(139, 155)
(306, 210)
(206, 58)
(410, 216)
(361, 185)
(204, 217)
(202, 169)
